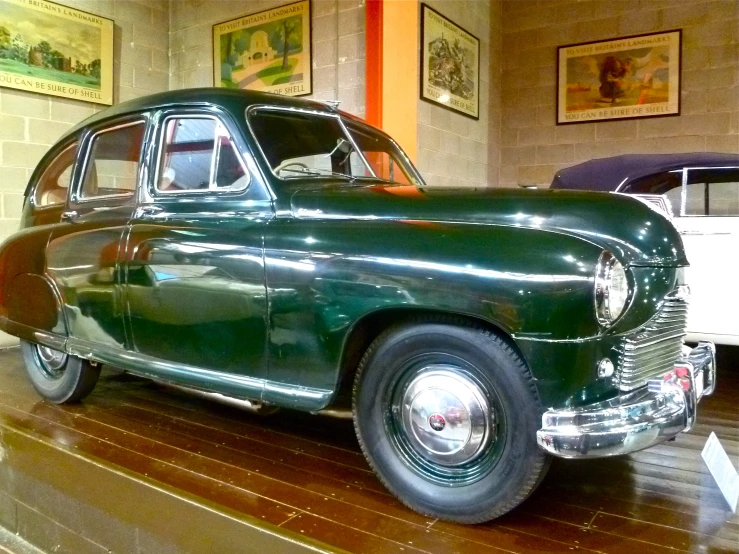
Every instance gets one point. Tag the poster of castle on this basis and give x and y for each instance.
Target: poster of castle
(624, 78)
(52, 49)
(269, 51)
(450, 64)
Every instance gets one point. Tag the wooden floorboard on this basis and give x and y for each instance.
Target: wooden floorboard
(305, 473)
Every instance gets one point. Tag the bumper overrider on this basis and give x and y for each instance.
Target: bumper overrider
(636, 420)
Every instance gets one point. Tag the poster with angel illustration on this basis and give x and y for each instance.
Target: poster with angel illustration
(624, 78)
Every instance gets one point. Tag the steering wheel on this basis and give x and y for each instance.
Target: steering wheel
(285, 165)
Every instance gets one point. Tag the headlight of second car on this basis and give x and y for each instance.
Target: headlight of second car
(611, 289)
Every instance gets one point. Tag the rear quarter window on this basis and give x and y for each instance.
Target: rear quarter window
(53, 185)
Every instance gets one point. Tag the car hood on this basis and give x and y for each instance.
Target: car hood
(634, 231)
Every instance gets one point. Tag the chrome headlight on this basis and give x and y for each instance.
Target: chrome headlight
(611, 289)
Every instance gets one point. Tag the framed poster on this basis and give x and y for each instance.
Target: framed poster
(52, 49)
(624, 78)
(450, 64)
(268, 51)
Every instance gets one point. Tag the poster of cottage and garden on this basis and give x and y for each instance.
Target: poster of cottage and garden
(52, 49)
(268, 51)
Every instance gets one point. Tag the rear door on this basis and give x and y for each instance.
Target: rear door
(193, 260)
(83, 250)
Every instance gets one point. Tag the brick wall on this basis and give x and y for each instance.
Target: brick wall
(454, 150)
(30, 123)
(533, 147)
(338, 45)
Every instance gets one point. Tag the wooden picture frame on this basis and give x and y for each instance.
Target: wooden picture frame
(246, 53)
(450, 64)
(52, 49)
(624, 78)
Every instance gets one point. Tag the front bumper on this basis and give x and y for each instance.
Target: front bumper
(636, 420)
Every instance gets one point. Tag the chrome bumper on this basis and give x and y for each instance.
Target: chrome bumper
(636, 420)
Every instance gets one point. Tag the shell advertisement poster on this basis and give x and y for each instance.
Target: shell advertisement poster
(52, 49)
(624, 78)
(269, 51)
(450, 64)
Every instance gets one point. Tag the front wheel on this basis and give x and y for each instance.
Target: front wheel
(57, 376)
(447, 415)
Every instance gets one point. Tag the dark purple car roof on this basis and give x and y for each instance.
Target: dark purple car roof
(606, 174)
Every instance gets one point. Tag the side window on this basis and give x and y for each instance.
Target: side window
(198, 154)
(666, 182)
(53, 184)
(113, 162)
(713, 192)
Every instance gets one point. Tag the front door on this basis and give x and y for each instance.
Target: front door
(83, 251)
(193, 256)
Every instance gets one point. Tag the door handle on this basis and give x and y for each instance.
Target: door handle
(70, 215)
(149, 209)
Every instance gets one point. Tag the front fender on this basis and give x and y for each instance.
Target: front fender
(324, 276)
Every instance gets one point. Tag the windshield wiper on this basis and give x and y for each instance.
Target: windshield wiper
(301, 170)
(318, 172)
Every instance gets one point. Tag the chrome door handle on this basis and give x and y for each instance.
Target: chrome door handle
(70, 215)
(149, 209)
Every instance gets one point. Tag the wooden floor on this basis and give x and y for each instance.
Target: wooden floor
(305, 473)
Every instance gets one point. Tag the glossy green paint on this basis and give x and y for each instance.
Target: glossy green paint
(262, 293)
(194, 286)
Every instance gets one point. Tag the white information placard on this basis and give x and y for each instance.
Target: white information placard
(722, 469)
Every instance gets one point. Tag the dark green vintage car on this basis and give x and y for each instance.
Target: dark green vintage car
(281, 251)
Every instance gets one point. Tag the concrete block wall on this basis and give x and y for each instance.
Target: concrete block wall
(454, 150)
(338, 45)
(533, 147)
(30, 123)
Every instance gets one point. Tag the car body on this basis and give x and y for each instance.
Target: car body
(280, 251)
(701, 192)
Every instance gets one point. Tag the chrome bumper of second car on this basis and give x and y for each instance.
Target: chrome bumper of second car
(636, 420)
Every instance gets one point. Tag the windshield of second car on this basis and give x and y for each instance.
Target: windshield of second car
(299, 145)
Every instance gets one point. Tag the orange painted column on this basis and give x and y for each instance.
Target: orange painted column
(392, 56)
(373, 62)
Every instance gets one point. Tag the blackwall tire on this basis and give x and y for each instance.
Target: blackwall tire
(56, 376)
(447, 415)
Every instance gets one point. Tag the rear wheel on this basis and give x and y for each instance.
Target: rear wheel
(447, 415)
(57, 376)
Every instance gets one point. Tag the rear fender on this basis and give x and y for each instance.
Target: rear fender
(30, 305)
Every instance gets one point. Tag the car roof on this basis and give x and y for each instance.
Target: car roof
(229, 99)
(606, 174)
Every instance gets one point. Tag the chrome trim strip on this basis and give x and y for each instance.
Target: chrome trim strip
(228, 384)
(31, 334)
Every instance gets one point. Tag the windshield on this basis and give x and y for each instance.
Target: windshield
(298, 145)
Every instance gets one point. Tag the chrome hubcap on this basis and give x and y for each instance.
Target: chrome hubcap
(52, 361)
(445, 416)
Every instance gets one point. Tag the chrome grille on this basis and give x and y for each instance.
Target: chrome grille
(654, 348)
